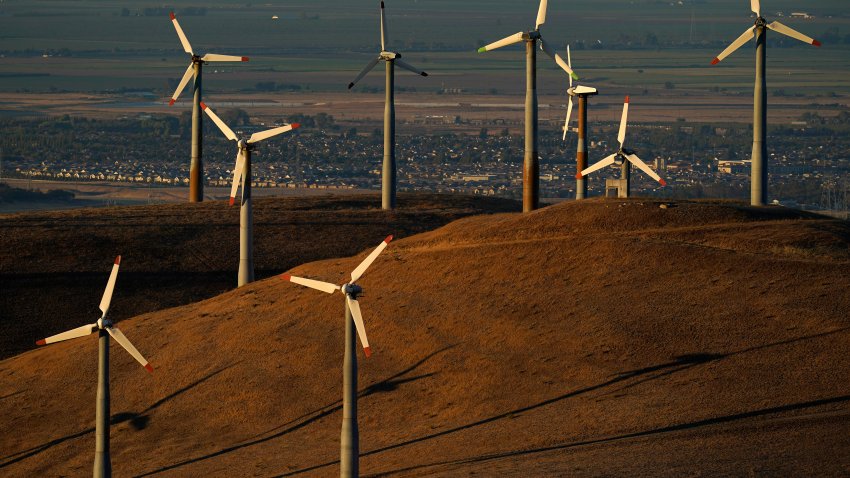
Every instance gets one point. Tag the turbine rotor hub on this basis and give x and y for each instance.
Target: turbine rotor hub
(352, 290)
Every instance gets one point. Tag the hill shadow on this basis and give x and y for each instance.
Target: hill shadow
(646, 374)
(384, 386)
(138, 420)
(626, 436)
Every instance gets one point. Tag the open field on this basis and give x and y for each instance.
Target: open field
(601, 338)
(113, 52)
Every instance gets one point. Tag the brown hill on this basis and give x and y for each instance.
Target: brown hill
(55, 264)
(602, 338)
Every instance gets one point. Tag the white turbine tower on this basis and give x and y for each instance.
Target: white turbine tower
(583, 92)
(391, 58)
(196, 168)
(349, 443)
(623, 157)
(758, 173)
(531, 161)
(242, 175)
(105, 328)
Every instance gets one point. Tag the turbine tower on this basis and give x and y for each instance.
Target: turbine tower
(349, 438)
(242, 173)
(196, 167)
(531, 160)
(758, 173)
(623, 158)
(105, 329)
(583, 92)
(388, 173)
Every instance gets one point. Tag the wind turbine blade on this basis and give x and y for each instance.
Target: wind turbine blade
(358, 272)
(744, 38)
(121, 339)
(623, 122)
(570, 64)
(110, 287)
(780, 28)
(272, 132)
(515, 38)
(756, 7)
(313, 284)
(560, 61)
(354, 307)
(643, 167)
(214, 57)
(237, 175)
(541, 14)
(190, 72)
(601, 164)
(223, 127)
(363, 72)
(383, 29)
(185, 41)
(408, 67)
(71, 334)
(567, 121)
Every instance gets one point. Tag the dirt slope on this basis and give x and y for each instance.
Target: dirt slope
(55, 264)
(603, 338)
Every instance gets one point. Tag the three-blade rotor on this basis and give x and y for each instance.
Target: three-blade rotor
(190, 71)
(350, 289)
(102, 323)
(751, 33)
(622, 153)
(385, 55)
(239, 169)
(532, 36)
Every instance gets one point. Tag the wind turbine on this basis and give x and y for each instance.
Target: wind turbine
(391, 58)
(758, 173)
(242, 173)
(581, 150)
(531, 161)
(196, 168)
(104, 328)
(623, 157)
(349, 443)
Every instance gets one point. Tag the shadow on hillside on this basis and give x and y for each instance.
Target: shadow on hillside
(645, 433)
(137, 420)
(386, 385)
(645, 374)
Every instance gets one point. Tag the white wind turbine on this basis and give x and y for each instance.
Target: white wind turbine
(758, 173)
(531, 161)
(242, 175)
(623, 157)
(349, 443)
(196, 168)
(105, 328)
(583, 92)
(391, 58)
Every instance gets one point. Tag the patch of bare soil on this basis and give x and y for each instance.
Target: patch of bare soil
(601, 338)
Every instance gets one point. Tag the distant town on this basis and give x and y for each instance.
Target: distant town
(810, 159)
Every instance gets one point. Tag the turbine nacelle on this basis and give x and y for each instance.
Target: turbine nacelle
(103, 323)
(582, 90)
(389, 55)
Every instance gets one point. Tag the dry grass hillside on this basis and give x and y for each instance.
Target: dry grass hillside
(55, 264)
(602, 338)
